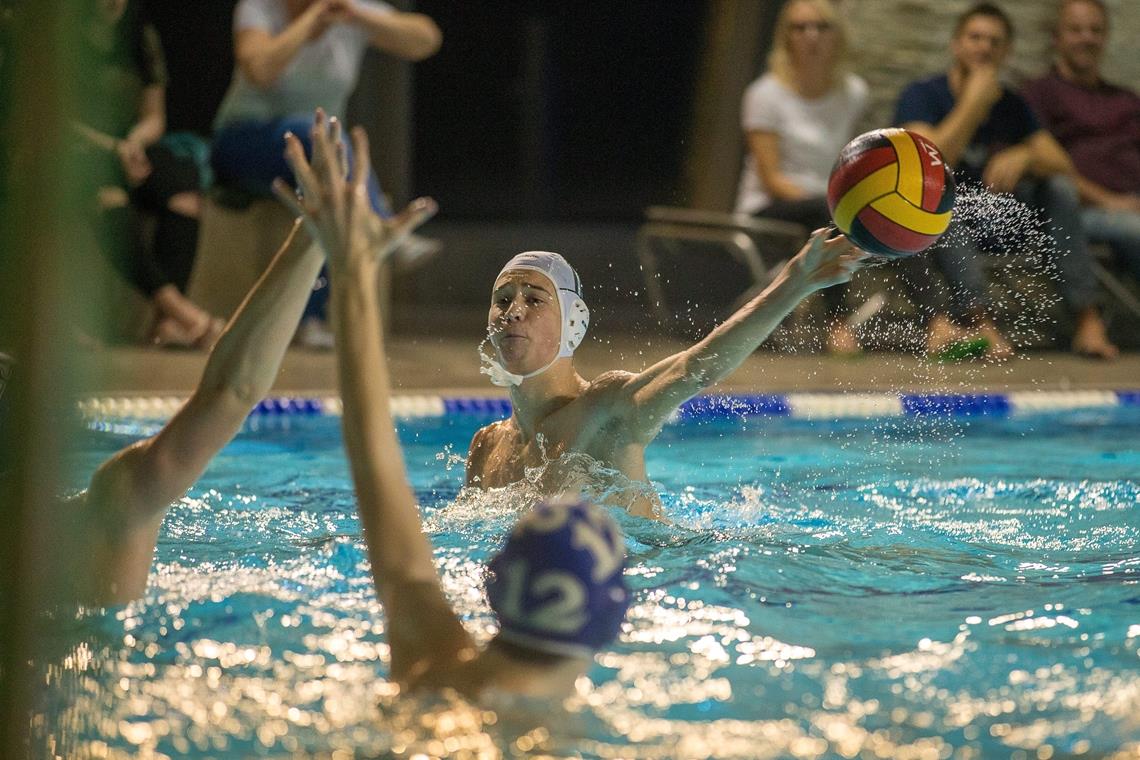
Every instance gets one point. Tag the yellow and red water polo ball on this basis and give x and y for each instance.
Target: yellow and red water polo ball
(891, 192)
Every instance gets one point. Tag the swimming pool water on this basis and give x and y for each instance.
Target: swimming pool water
(901, 587)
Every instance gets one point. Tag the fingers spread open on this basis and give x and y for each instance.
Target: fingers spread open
(287, 196)
(416, 213)
(295, 157)
(362, 159)
(325, 161)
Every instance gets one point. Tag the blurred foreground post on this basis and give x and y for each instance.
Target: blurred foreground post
(46, 297)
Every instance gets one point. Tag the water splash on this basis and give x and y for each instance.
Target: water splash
(850, 590)
(569, 475)
(487, 364)
(1022, 255)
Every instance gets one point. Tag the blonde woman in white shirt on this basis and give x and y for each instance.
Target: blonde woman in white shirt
(796, 118)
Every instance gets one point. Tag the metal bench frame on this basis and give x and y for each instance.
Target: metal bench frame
(741, 236)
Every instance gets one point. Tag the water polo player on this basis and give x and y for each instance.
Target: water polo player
(557, 586)
(122, 509)
(538, 317)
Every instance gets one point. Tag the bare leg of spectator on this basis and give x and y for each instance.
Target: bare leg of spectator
(1060, 205)
(181, 322)
(814, 214)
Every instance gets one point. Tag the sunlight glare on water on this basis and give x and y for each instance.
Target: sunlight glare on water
(924, 588)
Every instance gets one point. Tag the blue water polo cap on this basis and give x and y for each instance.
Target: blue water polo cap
(558, 585)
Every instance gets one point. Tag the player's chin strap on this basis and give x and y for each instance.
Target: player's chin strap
(503, 378)
(499, 376)
(574, 327)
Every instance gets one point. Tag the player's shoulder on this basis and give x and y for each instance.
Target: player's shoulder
(610, 382)
(489, 433)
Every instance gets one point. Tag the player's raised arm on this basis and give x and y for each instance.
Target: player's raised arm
(651, 396)
(130, 492)
(421, 625)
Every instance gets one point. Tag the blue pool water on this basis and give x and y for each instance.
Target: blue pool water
(910, 587)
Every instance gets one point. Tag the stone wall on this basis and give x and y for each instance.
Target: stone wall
(896, 41)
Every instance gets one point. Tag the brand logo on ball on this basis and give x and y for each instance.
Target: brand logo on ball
(935, 156)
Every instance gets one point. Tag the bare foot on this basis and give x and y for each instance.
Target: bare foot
(183, 323)
(169, 332)
(1000, 349)
(1091, 338)
(940, 333)
(841, 339)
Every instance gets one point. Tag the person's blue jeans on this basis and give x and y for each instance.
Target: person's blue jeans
(1057, 201)
(249, 155)
(1120, 230)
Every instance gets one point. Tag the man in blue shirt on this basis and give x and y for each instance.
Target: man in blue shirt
(990, 135)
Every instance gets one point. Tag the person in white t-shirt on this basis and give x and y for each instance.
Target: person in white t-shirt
(294, 56)
(796, 118)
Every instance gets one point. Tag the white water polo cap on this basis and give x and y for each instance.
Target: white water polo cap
(575, 313)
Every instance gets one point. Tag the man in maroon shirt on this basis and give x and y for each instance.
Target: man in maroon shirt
(1098, 123)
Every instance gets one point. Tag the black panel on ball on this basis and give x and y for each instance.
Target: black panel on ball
(860, 145)
(862, 237)
(949, 192)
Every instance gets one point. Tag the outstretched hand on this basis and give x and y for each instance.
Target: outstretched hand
(826, 261)
(333, 201)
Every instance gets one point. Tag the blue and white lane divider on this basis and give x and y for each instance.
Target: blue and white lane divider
(816, 406)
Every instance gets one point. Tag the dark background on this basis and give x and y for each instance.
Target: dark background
(538, 125)
(537, 111)
(555, 110)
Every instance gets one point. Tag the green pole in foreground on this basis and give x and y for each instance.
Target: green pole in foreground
(45, 297)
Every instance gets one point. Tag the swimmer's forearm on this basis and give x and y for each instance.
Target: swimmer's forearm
(245, 361)
(730, 343)
(140, 481)
(397, 547)
(649, 397)
(659, 390)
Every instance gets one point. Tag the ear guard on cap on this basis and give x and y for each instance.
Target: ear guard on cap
(575, 322)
